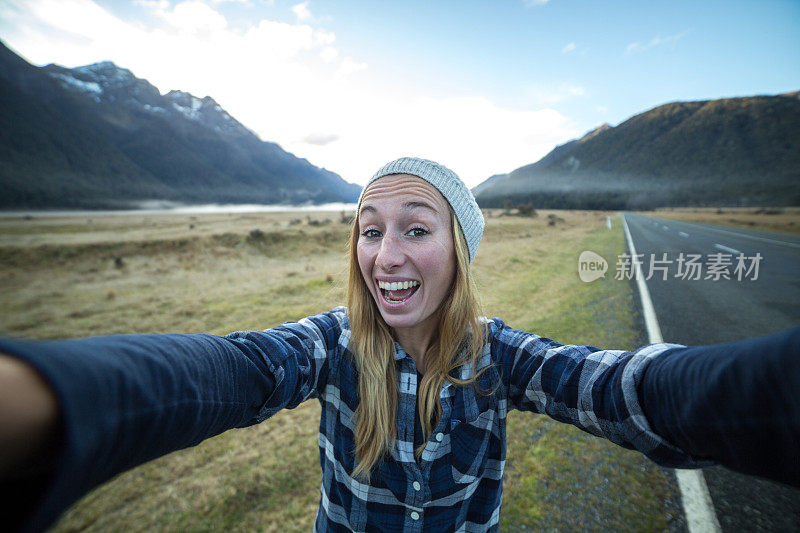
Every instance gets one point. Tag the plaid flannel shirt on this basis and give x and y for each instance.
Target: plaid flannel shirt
(126, 399)
(457, 485)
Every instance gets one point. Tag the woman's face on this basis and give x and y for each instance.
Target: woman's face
(405, 238)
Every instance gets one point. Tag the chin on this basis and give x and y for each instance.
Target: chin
(395, 321)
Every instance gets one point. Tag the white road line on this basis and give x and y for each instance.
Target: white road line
(697, 506)
(653, 330)
(725, 248)
(682, 234)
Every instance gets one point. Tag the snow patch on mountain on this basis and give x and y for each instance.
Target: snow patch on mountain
(105, 71)
(186, 104)
(85, 86)
(154, 109)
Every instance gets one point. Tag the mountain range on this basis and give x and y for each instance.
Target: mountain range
(726, 152)
(99, 137)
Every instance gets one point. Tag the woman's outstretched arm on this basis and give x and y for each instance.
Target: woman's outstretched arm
(29, 411)
(682, 407)
(124, 400)
(738, 403)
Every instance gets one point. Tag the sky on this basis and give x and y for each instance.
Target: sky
(482, 87)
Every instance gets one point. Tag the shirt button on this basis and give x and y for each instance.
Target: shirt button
(439, 436)
(414, 515)
(416, 485)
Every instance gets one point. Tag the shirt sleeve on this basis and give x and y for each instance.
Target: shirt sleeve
(127, 399)
(737, 403)
(592, 389)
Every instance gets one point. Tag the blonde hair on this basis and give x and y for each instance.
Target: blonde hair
(460, 340)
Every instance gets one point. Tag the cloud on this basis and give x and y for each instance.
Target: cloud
(321, 139)
(160, 4)
(349, 66)
(549, 94)
(302, 12)
(193, 16)
(472, 135)
(570, 47)
(670, 40)
(328, 54)
(292, 85)
(534, 3)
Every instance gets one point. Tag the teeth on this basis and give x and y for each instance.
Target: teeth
(397, 285)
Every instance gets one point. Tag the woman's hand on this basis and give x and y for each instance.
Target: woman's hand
(28, 418)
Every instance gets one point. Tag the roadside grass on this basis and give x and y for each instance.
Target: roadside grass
(558, 477)
(785, 219)
(219, 277)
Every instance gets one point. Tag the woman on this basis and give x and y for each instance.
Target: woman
(414, 384)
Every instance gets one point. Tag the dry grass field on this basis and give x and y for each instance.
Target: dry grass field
(786, 219)
(79, 276)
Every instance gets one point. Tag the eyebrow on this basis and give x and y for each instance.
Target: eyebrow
(407, 206)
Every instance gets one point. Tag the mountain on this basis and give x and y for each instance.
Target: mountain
(98, 136)
(734, 151)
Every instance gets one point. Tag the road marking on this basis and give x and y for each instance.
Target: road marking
(725, 248)
(653, 329)
(697, 506)
(666, 228)
(682, 234)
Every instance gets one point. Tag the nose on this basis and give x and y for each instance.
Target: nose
(390, 256)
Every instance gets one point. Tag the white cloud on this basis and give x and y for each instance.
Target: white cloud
(302, 12)
(290, 84)
(321, 139)
(349, 66)
(570, 47)
(601, 109)
(549, 94)
(329, 54)
(670, 40)
(472, 135)
(160, 4)
(533, 3)
(193, 16)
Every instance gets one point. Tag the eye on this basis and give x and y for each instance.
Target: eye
(370, 233)
(418, 232)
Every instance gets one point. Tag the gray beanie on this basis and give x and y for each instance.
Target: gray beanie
(452, 188)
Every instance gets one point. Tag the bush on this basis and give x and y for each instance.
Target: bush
(256, 235)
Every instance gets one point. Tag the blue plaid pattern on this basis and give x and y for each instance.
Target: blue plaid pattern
(457, 485)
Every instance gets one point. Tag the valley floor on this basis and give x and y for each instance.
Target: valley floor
(81, 276)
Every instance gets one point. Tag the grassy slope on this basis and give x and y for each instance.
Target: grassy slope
(785, 219)
(213, 278)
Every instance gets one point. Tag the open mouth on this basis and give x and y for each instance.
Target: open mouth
(396, 292)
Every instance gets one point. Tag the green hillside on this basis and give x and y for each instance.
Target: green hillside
(736, 151)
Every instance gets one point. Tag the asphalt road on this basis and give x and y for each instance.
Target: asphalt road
(708, 311)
